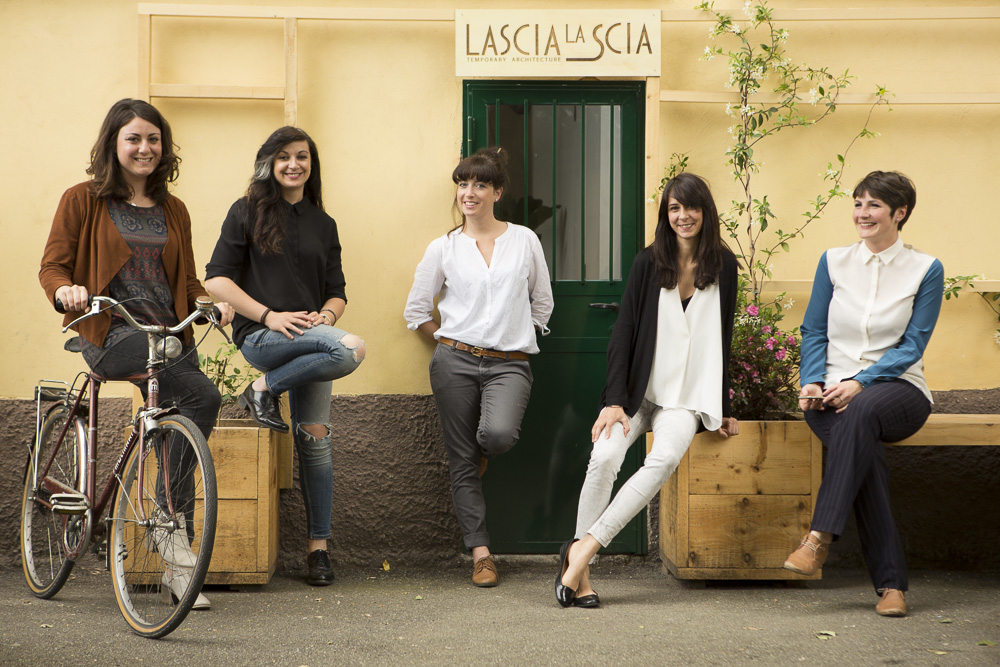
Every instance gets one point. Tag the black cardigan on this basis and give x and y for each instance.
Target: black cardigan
(633, 340)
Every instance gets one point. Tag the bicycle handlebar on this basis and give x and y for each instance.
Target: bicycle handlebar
(204, 309)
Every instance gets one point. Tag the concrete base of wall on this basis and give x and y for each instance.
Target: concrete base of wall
(392, 498)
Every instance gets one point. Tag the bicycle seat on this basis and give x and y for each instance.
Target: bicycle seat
(74, 344)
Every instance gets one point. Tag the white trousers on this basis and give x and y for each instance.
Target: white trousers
(673, 429)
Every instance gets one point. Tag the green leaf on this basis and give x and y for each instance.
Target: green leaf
(986, 642)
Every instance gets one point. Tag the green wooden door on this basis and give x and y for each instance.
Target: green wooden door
(575, 167)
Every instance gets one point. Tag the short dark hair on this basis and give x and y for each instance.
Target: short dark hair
(892, 187)
(108, 180)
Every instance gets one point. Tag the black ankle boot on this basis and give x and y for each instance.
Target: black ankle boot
(320, 572)
(264, 408)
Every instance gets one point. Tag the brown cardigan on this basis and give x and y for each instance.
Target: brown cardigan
(85, 248)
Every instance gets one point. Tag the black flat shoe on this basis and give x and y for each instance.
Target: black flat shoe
(320, 572)
(264, 408)
(587, 601)
(564, 594)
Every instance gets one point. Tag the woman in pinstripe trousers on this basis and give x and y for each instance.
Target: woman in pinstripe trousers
(873, 307)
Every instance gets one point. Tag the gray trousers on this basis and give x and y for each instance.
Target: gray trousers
(480, 402)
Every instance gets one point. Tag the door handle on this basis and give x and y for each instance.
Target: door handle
(606, 306)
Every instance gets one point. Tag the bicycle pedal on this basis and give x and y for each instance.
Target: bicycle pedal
(69, 503)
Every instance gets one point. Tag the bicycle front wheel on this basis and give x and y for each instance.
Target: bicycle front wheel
(45, 534)
(163, 527)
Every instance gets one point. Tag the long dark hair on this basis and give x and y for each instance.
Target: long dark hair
(693, 192)
(266, 215)
(487, 165)
(108, 180)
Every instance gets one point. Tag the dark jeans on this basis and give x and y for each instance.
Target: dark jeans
(855, 474)
(183, 385)
(480, 402)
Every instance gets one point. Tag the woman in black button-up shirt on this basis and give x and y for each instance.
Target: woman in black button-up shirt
(278, 262)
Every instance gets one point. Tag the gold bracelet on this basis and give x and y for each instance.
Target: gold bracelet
(323, 315)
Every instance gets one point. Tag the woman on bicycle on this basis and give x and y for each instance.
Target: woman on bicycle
(122, 234)
(278, 262)
(493, 295)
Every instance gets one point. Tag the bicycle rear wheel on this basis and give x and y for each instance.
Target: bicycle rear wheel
(44, 534)
(163, 527)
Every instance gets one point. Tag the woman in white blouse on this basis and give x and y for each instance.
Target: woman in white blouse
(873, 307)
(668, 361)
(493, 295)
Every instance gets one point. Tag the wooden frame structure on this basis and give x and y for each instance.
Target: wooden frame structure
(655, 96)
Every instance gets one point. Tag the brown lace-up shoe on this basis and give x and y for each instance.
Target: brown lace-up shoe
(891, 604)
(484, 572)
(809, 557)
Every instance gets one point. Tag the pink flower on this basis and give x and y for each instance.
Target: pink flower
(753, 310)
(731, 393)
(790, 341)
(769, 344)
(780, 354)
(766, 329)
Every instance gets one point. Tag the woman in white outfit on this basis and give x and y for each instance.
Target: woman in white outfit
(667, 373)
(493, 293)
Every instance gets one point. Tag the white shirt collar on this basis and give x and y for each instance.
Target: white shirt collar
(886, 256)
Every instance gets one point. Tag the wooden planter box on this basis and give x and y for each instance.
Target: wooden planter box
(737, 507)
(251, 464)
(246, 532)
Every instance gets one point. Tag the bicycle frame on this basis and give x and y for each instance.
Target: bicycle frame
(145, 420)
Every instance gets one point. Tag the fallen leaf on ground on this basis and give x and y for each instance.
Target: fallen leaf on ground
(986, 642)
(385, 565)
(419, 597)
(825, 634)
(945, 620)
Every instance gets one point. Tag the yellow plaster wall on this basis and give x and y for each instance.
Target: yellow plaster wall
(948, 150)
(382, 101)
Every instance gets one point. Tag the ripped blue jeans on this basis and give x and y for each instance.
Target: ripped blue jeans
(305, 366)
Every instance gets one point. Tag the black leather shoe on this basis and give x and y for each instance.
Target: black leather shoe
(320, 572)
(564, 594)
(587, 601)
(264, 408)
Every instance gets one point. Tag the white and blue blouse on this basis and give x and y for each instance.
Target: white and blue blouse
(871, 315)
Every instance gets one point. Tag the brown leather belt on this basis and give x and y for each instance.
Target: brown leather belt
(482, 351)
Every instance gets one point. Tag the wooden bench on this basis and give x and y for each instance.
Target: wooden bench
(735, 508)
(955, 431)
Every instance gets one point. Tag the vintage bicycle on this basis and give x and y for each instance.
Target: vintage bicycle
(160, 526)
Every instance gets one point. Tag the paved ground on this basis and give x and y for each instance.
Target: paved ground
(436, 618)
